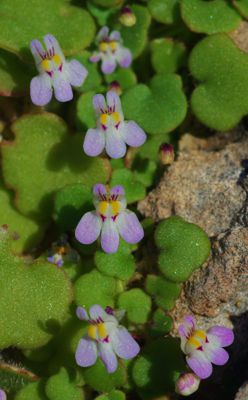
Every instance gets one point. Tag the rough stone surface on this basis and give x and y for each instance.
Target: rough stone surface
(242, 393)
(240, 38)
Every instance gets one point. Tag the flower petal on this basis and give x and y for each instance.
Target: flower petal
(124, 57)
(86, 353)
(62, 88)
(199, 364)
(52, 44)
(109, 236)
(37, 50)
(99, 104)
(41, 90)
(115, 145)
(94, 142)
(95, 57)
(99, 190)
(108, 357)
(82, 314)
(88, 228)
(117, 190)
(97, 311)
(133, 134)
(124, 344)
(2, 395)
(114, 102)
(224, 336)
(77, 72)
(216, 355)
(102, 34)
(108, 65)
(187, 326)
(115, 35)
(129, 227)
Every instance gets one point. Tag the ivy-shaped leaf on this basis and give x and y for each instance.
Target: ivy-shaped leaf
(167, 55)
(137, 305)
(164, 292)
(134, 190)
(165, 11)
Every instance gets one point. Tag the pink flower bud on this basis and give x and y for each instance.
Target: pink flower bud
(127, 17)
(114, 85)
(166, 154)
(187, 384)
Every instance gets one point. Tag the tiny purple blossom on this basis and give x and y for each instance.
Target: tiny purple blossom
(54, 72)
(187, 384)
(109, 220)
(204, 348)
(105, 338)
(112, 132)
(111, 51)
(3, 395)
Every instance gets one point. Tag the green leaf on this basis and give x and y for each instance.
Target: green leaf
(165, 293)
(108, 3)
(95, 288)
(125, 77)
(99, 379)
(70, 204)
(144, 170)
(27, 232)
(157, 368)
(209, 17)
(150, 148)
(221, 99)
(85, 112)
(135, 37)
(94, 78)
(72, 26)
(158, 109)
(120, 265)
(101, 14)
(62, 386)
(183, 246)
(167, 55)
(34, 299)
(162, 323)
(242, 7)
(13, 377)
(137, 304)
(134, 190)
(34, 391)
(114, 395)
(165, 11)
(43, 159)
(14, 75)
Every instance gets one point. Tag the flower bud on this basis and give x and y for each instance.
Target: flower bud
(127, 17)
(166, 154)
(114, 85)
(187, 384)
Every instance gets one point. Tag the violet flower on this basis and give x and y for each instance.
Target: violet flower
(204, 348)
(109, 220)
(54, 72)
(3, 395)
(105, 338)
(112, 132)
(111, 51)
(187, 384)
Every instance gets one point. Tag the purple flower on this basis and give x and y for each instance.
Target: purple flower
(110, 220)
(105, 338)
(112, 132)
(187, 384)
(204, 348)
(2, 395)
(111, 51)
(54, 72)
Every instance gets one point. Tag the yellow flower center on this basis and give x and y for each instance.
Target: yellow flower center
(197, 338)
(105, 46)
(97, 331)
(111, 206)
(46, 63)
(114, 115)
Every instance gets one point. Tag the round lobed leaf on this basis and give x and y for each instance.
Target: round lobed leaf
(62, 386)
(162, 323)
(34, 391)
(125, 77)
(134, 190)
(34, 299)
(113, 395)
(72, 26)
(85, 112)
(209, 17)
(220, 100)
(183, 246)
(167, 55)
(158, 109)
(95, 288)
(242, 7)
(165, 293)
(137, 305)
(43, 159)
(167, 12)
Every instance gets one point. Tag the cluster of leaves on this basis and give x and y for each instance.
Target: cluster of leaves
(190, 65)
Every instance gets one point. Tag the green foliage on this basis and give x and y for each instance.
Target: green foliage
(159, 108)
(120, 265)
(209, 17)
(220, 100)
(137, 304)
(125, 77)
(99, 379)
(72, 26)
(134, 189)
(167, 12)
(242, 7)
(105, 289)
(34, 391)
(43, 159)
(157, 368)
(34, 299)
(13, 378)
(108, 3)
(62, 386)
(114, 395)
(167, 55)
(85, 111)
(184, 247)
(162, 323)
(163, 291)
(94, 78)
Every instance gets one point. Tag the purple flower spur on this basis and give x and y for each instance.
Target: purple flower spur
(109, 220)
(54, 73)
(112, 132)
(111, 51)
(202, 348)
(105, 338)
